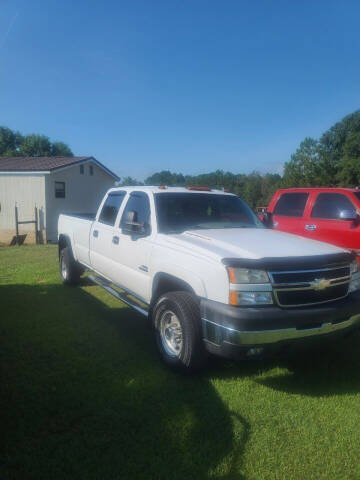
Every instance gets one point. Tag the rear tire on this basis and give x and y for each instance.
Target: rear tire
(70, 270)
(176, 320)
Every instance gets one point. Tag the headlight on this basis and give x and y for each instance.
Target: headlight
(354, 285)
(252, 287)
(355, 277)
(250, 298)
(354, 267)
(244, 275)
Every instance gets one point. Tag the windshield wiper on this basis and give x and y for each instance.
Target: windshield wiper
(241, 226)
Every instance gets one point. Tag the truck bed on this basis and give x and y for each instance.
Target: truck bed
(77, 228)
(86, 216)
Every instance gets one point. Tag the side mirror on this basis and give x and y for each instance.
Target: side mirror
(267, 219)
(132, 226)
(348, 215)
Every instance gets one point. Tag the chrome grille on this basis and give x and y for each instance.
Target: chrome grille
(310, 287)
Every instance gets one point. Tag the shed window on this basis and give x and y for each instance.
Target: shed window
(81, 169)
(91, 170)
(59, 189)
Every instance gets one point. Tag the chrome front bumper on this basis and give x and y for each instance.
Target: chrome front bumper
(218, 334)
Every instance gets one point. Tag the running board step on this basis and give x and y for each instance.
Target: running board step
(123, 296)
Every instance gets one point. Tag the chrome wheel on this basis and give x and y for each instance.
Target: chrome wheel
(64, 272)
(171, 333)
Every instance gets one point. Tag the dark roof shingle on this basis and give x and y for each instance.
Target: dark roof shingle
(43, 164)
(37, 163)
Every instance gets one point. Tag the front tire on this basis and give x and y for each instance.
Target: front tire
(70, 271)
(176, 319)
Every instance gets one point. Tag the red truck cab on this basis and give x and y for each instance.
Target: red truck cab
(330, 215)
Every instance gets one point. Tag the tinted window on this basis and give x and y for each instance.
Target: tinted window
(357, 195)
(329, 205)
(91, 170)
(138, 203)
(59, 189)
(111, 208)
(192, 211)
(291, 204)
(82, 169)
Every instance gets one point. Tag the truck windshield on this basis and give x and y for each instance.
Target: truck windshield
(177, 212)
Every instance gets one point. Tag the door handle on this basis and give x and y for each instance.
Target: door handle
(310, 228)
(95, 233)
(115, 240)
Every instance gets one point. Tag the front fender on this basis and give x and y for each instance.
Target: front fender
(182, 274)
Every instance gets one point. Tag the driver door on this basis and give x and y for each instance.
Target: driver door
(289, 212)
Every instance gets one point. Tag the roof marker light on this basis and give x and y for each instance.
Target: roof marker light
(201, 189)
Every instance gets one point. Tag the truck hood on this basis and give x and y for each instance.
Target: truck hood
(249, 243)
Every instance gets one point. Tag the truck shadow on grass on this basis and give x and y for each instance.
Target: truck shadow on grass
(84, 396)
(333, 369)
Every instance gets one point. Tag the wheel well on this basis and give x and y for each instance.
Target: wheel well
(164, 283)
(63, 242)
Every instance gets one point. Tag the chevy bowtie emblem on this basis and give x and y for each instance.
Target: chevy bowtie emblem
(320, 283)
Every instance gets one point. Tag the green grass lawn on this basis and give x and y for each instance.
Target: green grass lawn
(84, 395)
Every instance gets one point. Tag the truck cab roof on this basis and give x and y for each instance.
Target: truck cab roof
(318, 189)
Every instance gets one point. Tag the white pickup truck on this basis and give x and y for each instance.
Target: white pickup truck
(209, 276)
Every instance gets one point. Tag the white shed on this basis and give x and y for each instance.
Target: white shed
(53, 185)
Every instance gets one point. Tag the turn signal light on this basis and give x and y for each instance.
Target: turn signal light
(233, 298)
(250, 298)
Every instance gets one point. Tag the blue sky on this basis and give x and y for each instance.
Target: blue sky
(188, 85)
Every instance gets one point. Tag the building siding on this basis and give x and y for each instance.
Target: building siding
(27, 191)
(82, 193)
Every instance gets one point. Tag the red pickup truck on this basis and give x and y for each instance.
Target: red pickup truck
(330, 215)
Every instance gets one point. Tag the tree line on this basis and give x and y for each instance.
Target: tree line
(254, 189)
(332, 160)
(15, 144)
